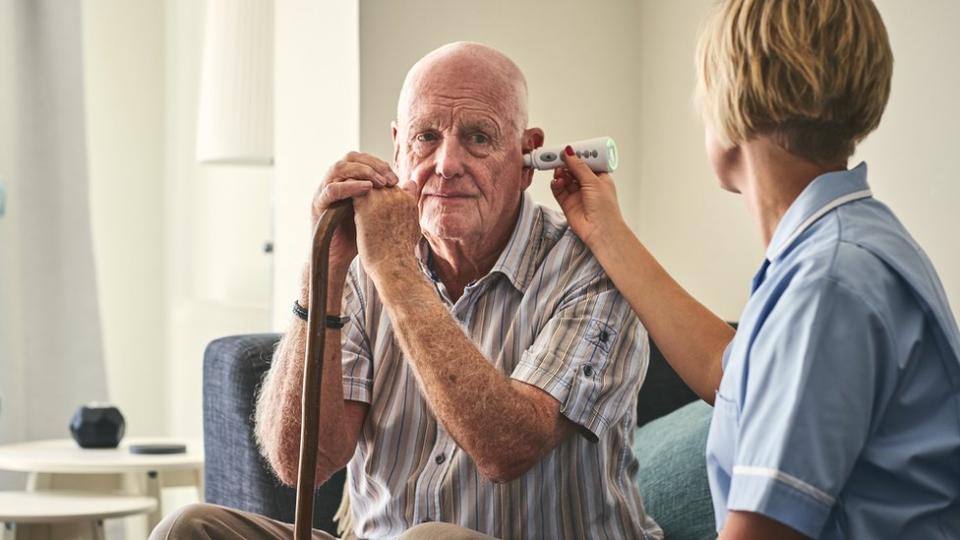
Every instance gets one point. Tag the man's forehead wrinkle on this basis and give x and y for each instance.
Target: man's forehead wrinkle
(490, 91)
(473, 104)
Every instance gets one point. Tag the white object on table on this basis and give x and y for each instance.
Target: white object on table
(50, 462)
(36, 514)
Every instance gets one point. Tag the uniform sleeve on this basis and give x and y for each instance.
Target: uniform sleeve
(355, 357)
(807, 404)
(591, 355)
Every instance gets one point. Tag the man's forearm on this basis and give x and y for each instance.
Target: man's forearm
(279, 404)
(477, 404)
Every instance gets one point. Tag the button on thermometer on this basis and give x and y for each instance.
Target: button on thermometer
(600, 154)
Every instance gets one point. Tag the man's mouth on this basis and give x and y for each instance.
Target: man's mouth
(450, 195)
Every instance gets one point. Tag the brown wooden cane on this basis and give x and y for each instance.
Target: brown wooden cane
(329, 220)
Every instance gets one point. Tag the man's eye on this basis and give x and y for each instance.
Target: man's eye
(479, 138)
(426, 137)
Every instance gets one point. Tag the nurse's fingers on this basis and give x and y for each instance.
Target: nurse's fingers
(563, 179)
(577, 167)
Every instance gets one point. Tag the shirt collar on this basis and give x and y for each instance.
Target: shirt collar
(516, 259)
(826, 192)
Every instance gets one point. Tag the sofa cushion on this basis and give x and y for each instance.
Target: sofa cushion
(673, 475)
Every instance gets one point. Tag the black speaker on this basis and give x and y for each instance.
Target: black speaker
(97, 426)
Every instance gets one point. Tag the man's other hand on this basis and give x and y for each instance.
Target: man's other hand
(387, 229)
(350, 178)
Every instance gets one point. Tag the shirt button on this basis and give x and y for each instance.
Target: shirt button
(603, 336)
(588, 370)
(440, 458)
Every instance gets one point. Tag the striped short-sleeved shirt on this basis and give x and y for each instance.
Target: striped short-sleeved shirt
(547, 315)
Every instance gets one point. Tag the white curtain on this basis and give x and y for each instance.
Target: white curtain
(51, 357)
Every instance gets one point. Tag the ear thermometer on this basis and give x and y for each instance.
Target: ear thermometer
(600, 154)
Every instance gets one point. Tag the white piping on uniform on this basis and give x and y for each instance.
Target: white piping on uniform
(819, 214)
(787, 479)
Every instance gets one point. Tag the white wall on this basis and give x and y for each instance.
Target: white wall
(701, 234)
(11, 383)
(216, 221)
(123, 78)
(316, 122)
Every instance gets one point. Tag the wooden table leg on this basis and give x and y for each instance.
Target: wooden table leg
(154, 489)
(98, 533)
(201, 493)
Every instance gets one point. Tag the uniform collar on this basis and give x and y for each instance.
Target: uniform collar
(826, 192)
(516, 259)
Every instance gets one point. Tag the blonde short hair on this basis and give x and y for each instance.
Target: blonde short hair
(813, 74)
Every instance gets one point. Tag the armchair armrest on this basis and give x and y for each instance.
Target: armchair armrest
(235, 474)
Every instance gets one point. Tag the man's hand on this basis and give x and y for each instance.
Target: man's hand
(387, 230)
(352, 177)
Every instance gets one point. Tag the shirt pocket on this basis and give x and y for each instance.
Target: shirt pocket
(722, 438)
(602, 336)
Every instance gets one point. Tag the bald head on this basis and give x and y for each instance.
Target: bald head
(466, 66)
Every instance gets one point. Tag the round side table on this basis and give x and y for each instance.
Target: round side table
(52, 514)
(61, 464)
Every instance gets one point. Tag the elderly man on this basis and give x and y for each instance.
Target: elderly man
(489, 370)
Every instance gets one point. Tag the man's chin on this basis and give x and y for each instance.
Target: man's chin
(446, 229)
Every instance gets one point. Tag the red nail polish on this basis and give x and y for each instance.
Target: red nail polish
(568, 150)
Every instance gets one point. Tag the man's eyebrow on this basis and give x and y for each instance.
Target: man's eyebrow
(474, 124)
(467, 125)
(420, 123)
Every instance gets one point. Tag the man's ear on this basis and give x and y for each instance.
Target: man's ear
(396, 145)
(532, 139)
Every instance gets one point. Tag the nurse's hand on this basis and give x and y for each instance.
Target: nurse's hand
(588, 200)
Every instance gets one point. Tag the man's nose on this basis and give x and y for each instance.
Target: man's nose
(450, 158)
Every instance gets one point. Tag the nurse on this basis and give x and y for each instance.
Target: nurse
(837, 401)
